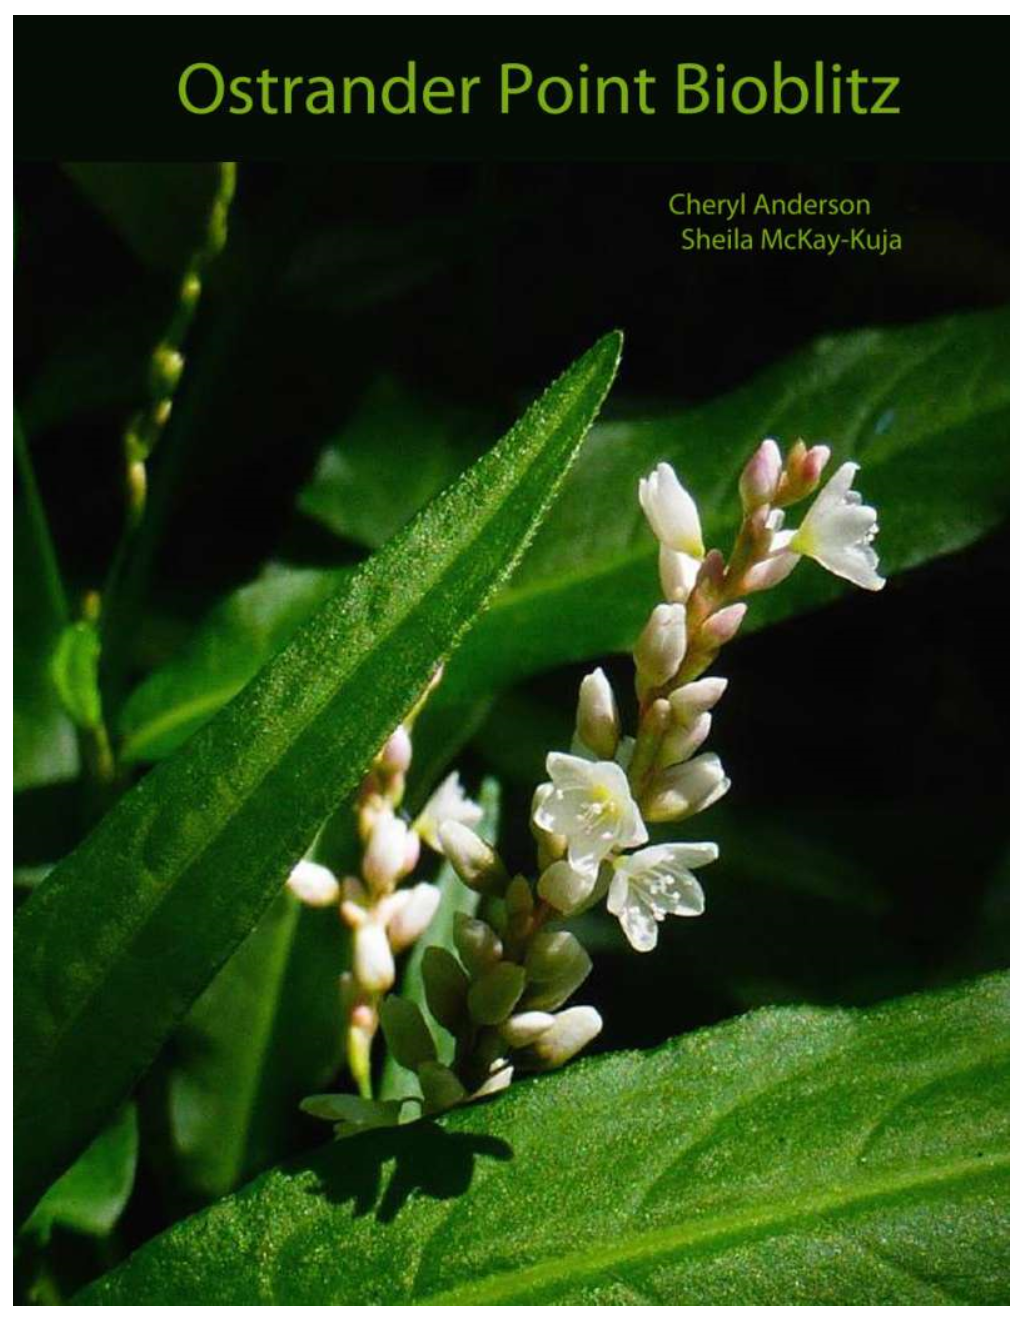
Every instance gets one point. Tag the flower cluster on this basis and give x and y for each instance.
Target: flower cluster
(384, 915)
(502, 996)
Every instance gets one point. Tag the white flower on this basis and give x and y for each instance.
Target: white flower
(653, 882)
(837, 532)
(448, 802)
(677, 573)
(591, 807)
(314, 884)
(671, 511)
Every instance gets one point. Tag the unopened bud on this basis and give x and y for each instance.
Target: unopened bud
(494, 995)
(314, 884)
(722, 626)
(475, 862)
(477, 943)
(570, 1032)
(598, 720)
(556, 964)
(395, 756)
(671, 511)
(685, 789)
(760, 478)
(693, 699)
(681, 742)
(387, 854)
(441, 1088)
(166, 369)
(446, 987)
(373, 958)
(412, 913)
(409, 1039)
(662, 644)
(814, 464)
(524, 1028)
(677, 574)
(566, 889)
(803, 471)
(712, 573)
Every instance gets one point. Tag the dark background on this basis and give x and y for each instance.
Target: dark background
(472, 283)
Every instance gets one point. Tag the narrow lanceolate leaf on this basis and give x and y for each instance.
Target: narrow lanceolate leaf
(796, 1155)
(118, 941)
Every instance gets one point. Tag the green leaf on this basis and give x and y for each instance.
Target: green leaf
(231, 646)
(455, 897)
(92, 1194)
(265, 1033)
(75, 671)
(922, 407)
(45, 747)
(122, 936)
(358, 496)
(824, 1157)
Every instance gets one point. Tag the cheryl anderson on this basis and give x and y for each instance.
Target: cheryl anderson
(741, 204)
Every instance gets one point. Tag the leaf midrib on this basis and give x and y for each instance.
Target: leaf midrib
(758, 1221)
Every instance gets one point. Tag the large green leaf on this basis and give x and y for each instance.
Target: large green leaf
(794, 1155)
(264, 1033)
(116, 943)
(923, 408)
(357, 497)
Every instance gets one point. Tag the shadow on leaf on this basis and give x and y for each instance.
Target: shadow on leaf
(417, 1159)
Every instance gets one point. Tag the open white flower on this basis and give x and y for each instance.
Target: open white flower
(837, 532)
(654, 882)
(671, 511)
(448, 802)
(591, 806)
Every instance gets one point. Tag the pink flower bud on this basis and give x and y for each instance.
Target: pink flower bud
(412, 915)
(813, 466)
(723, 625)
(760, 477)
(396, 755)
(385, 857)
